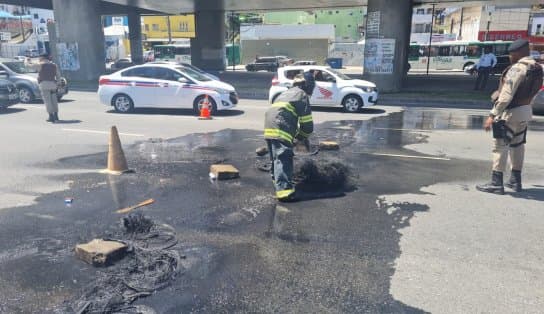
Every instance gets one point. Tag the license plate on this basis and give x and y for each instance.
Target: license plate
(12, 96)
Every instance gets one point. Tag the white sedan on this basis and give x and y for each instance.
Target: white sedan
(164, 86)
(332, 87)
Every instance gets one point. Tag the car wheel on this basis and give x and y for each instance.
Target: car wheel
(352, 103)
(197, 104)
(122, 103)
(465, 67)
(25, 95)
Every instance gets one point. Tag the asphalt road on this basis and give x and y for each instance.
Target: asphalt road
(413, 237)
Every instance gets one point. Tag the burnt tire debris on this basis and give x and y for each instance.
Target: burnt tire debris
(152, 264)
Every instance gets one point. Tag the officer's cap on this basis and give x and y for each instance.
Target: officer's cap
(518, 44)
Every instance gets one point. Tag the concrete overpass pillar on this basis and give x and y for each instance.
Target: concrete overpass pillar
(387, 42)
(135, 36)
(208, 47)
(78, 22)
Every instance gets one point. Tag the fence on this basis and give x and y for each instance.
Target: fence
(12, 50)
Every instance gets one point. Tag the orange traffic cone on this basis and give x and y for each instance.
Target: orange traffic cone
(117, 163)
(205, 110)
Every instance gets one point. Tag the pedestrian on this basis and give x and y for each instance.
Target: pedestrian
(510, 116)
(47, 79)
(484, 67)
(289, 119)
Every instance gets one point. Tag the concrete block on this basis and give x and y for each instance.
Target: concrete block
(329, 145)
(224, 172)
(261, 151)
(101, 253)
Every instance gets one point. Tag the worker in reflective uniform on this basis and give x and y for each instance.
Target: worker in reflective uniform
(510, 116)
(289, 119)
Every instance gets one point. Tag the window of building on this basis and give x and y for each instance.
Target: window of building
(183, 27)
(155, 27)
(429, 11)
(146, 27)
(420, 11)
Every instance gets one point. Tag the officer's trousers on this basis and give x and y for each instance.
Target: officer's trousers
(281, 156)
(49, 95)
(517, 120)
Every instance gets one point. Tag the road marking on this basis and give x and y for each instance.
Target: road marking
(101, 132)
(405, 156)
(31, 106)
(420, 130)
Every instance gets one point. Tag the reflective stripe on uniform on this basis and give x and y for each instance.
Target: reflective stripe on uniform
(287, 106)
(305, 119)
(284, 193)
(277, 133)
(302, 133)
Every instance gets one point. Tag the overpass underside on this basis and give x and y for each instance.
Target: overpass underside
(79, 22)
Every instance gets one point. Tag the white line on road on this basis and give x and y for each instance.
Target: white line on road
(31, 106)
(101, 132)
(419, 130)
(404, 156)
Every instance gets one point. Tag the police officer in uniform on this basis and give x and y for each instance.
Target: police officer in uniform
(289, 119)
(510, 116)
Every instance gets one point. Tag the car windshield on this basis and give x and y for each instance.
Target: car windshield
(19, 67)
(193, 74)
(339, 74)
(192, 67)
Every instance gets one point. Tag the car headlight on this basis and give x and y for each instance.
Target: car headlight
(367, 89)
(221, 91)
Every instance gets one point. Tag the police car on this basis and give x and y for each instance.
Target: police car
(332, 88)
(164, 86)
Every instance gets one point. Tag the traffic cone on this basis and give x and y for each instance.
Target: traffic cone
(205, 110)
(117, 163)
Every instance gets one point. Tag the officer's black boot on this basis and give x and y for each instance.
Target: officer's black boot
(51, 118)
(495, 186)
(515, 181)
(56, 116)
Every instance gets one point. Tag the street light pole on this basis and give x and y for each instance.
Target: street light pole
(430, 41)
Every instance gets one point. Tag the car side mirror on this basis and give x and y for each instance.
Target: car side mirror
(183, 80)
(331, 79)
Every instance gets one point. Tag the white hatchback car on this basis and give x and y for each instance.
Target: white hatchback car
(163, 86)
(332, 88)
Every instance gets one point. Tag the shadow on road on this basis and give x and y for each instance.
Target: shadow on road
(11, 110)
(66, 100)
(68, 121)
(531, 194)
(341, 110)
(179, 112)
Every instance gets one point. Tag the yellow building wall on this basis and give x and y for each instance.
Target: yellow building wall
(182, 26)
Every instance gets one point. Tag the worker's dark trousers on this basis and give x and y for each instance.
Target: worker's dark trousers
(483, 76)
(281, 156)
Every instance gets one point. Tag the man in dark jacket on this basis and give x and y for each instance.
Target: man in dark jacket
(47, 80)
(288, 119)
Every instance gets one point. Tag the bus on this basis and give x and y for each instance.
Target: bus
(455, 55)
(173, 52)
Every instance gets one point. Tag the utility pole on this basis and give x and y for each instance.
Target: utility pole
(488, 26)
(22, 25)
(233, 59)
(460, 37)
(430, 41)
(169, 27)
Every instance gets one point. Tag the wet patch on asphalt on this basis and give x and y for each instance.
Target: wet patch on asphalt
(244, 254)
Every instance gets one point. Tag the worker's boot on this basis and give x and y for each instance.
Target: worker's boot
(51, 118)
(495, 186)
(515, 181)
(56, 116)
